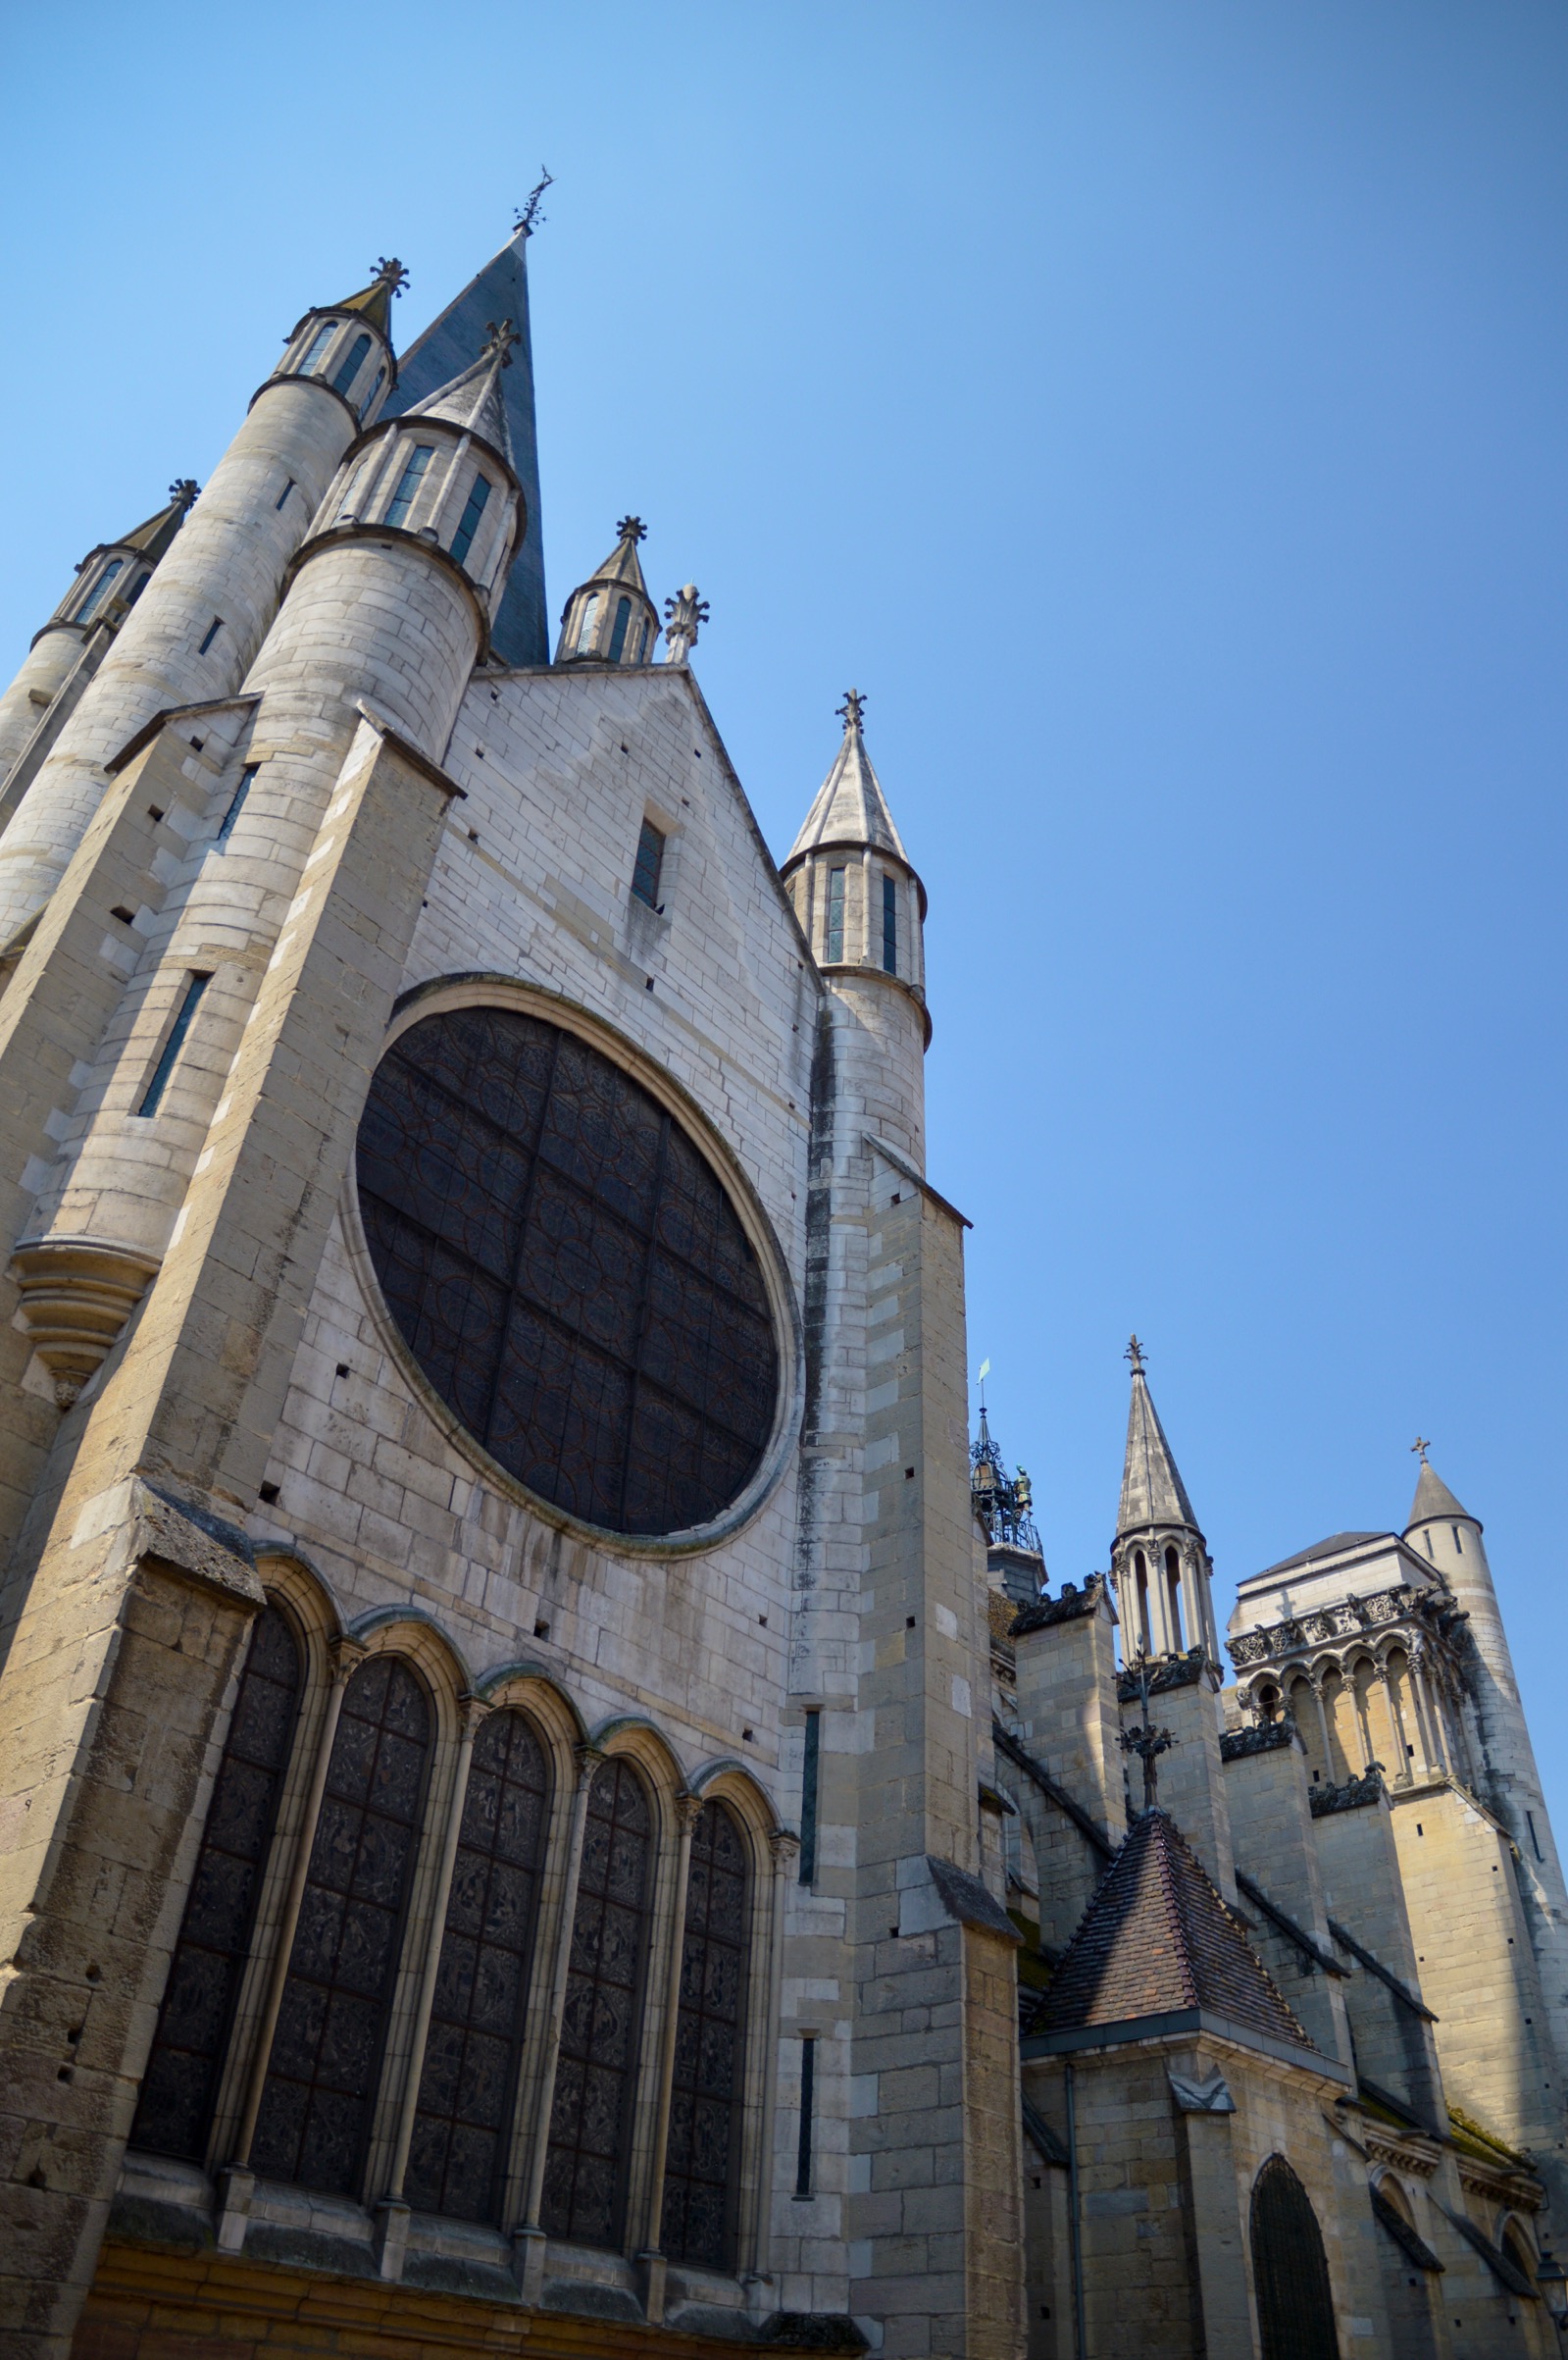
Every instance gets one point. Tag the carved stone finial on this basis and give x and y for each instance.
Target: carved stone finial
(1135, 1353)
(503, 335)
(186, 490)
(631, 528)
(391, 274)
(682, 614)
(852, 711)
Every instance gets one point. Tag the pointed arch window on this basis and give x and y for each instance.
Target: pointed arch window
(317, 347)
(409, 481)
(596, 2076)
(586, 629)
(100, 589)
(836, 914)
(1173, 1594)
(174, 2115)
(458, 2156)
(315, 2119)
(704, 2150)
(353, 362)
(469, 522)
(1141, 1597)
(622, 623)
(1290, 2270)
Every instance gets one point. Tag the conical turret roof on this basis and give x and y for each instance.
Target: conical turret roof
(153, 538)
(850, 807)
(1435, 1502)
(374, 304)
(1152, 1490)
(473, 399)
(622, 565)
(520, 632)
(1157, 1939)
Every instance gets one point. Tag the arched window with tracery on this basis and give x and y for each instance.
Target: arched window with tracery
(316, 2110)
(704, 2148)
(174, 2115)
(595, 2075)
(458, 2156)
(1290, 2270)
(1173, 1593)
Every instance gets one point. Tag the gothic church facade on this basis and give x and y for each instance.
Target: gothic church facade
(545, 1800)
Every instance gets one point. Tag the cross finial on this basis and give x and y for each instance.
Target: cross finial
(391, 274)
(503, 335)
(1423, 1444)
(631, 528)
(850, 712)
(1147, 1742)
(529, 216)
(1135, 1353)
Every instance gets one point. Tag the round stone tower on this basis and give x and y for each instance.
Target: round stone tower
(109, 581)
(386, 607)
(194, 634)
(862, 908)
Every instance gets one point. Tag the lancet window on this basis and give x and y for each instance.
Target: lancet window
(353, 362)
(323, 2025)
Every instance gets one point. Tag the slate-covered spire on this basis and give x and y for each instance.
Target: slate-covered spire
(1159, 1561)
(519, 632)
(1152, 1490)
(610, 619)
(850, 808)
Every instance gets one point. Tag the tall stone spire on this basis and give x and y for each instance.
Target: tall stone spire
(519, 631)
(850, 808)
(1159, 1560)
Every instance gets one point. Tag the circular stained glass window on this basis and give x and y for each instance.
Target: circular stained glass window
(567, 1270)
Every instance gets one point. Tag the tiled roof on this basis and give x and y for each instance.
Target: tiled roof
(1157, 1939)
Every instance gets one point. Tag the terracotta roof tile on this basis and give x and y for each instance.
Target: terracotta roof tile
(1156, 1939)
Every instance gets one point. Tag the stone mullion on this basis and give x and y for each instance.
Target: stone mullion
(688, 1809)
(529, 2239)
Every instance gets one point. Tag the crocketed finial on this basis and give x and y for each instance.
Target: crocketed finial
(631, 528)
(391, 274)
(184, 491)
(1135, 1353)
(852, 709)
(503, 335)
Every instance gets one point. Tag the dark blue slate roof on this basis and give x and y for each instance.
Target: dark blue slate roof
(521, 632)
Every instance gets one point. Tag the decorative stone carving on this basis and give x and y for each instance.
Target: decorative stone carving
(77, 1295)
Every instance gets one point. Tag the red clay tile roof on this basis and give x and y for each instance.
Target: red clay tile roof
(1155, 1940)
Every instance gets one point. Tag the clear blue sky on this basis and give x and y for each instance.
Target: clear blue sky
(1158, 410)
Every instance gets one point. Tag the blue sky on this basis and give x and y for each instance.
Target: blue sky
(1158, 409)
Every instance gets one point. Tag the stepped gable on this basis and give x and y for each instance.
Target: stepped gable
(1157, 1939)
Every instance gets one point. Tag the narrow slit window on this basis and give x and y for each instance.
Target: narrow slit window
(808, 1798)
(469, 522)
(211, 633)
(353, 362)
(100, 589)
(409, 481)
(283, 494)
(889, 925)
(590, 616)
(643, 646)
(318, 345)
(623, 624)
(236, 804)
(808, 2075)
(649, 865)
(835, 914)
(1529, 1822)
(1457, 1542)
(195, 985)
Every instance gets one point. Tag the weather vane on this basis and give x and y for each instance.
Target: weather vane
(529, 216)
(854, 707)
(1423, 1444)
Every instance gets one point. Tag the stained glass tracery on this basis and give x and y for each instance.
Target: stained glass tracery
(469, 2079)
(700, 2169)
(567, 1270)
(595, 2075)
(316, 2110)
(173, 2113)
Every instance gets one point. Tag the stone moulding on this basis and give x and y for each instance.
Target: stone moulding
(77, 1295)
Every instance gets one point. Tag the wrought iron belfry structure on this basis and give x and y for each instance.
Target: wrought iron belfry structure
(1004, 1504)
